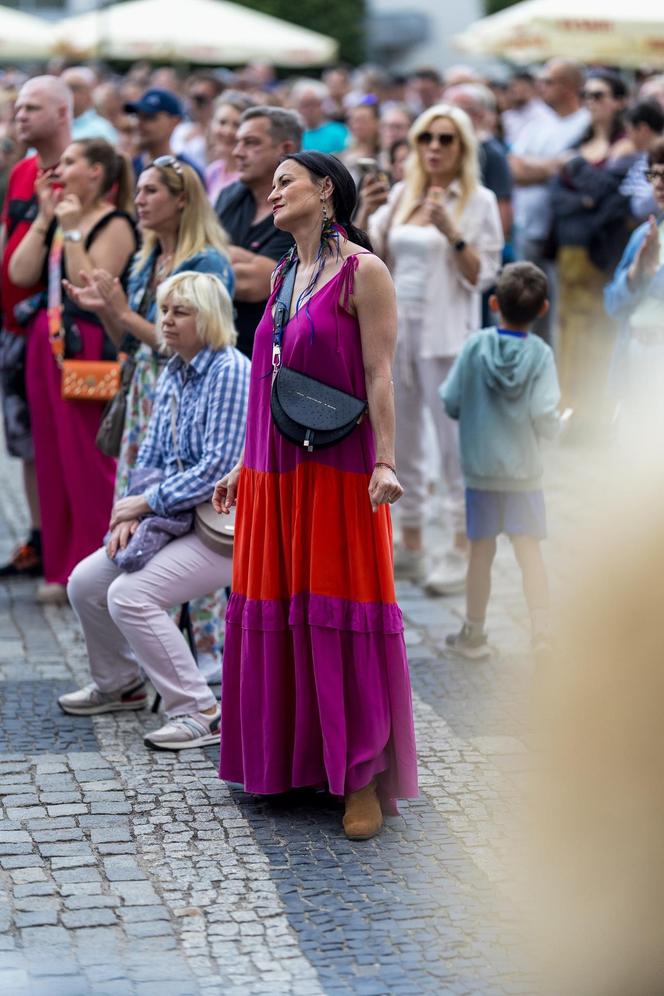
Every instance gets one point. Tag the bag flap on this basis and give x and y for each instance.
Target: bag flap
(224, 525)
(315, 405)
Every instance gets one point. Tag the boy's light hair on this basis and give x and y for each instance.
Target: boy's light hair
(205, 294)
(415, 177)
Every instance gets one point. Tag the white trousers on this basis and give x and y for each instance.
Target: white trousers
(126, 622)
(416, 383)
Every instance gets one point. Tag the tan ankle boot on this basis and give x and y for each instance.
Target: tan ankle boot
(363, 817)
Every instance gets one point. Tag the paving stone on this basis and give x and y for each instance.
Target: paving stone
(89, 918)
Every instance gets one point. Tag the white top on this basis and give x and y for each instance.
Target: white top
(534, 113)
(412, 250)
(532, 202)
(450, 304)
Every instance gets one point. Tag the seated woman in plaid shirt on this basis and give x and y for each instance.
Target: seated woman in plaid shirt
(125, 616)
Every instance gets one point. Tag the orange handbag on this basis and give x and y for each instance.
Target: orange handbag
(90, 380)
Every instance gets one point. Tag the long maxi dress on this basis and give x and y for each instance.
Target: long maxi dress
(315, 674)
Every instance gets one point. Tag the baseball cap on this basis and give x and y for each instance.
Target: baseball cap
(153, 102)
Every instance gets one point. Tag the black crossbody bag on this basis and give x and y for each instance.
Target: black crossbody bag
(306, 411)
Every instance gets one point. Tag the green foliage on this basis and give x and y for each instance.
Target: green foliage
(343, 20)
(493, 6)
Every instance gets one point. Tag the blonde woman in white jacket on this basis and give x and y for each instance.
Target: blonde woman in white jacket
(441, 236)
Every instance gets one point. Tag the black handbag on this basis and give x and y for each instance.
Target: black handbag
(111, 427)
(306, 411)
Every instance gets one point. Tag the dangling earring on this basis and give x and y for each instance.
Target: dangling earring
(328, 230)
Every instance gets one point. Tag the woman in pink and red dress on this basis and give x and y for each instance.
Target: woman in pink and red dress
(316, 683)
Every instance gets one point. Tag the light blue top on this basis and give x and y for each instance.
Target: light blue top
(211, 396)
(621, 300)
(332, 136)
(503, 389)
(89, 124)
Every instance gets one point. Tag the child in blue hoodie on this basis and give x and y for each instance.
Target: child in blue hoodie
(504, 391)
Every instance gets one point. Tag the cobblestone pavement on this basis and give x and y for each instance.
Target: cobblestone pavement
(129, 872)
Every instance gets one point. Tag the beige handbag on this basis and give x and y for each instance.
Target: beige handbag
(215, 531)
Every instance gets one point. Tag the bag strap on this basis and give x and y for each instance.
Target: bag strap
(54, 308)
(282, 306)
(174, 430)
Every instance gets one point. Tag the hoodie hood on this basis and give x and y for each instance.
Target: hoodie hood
(508, 362)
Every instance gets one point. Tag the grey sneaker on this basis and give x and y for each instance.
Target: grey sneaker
(183, 732)
(409, 565)
(465, 644)
(90, 701)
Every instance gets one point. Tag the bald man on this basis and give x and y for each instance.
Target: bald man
(43, 122)
(87, 123)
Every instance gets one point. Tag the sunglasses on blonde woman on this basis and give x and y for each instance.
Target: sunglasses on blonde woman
(428, 137)
(161, 161)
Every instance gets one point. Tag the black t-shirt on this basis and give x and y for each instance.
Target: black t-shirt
(495, 169)
(236, 208)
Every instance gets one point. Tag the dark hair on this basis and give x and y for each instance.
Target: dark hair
(656, 152)
(646, 112)
(521, 290)
(426, 73)
(618, 88)
(285, 126)
(394, 148)
(117, 169)
(344, 191)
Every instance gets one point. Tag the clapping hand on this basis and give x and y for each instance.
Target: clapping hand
(68, 211)
(45, 198)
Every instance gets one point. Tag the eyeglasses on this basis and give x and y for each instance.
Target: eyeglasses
(200, 99)
(653, 175)
(162, 162)
(595, 95)
(427, 137)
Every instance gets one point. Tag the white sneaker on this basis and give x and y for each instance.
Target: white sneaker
(449, 575)
(184, 732)
(409, 565)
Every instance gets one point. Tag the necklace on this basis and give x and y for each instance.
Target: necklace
(163, 265)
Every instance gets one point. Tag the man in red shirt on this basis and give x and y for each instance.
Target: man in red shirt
(43, 120)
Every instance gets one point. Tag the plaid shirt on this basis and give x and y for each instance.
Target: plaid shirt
(211, 394)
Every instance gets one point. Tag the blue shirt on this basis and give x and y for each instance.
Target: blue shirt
(206, 261)
(211, 397)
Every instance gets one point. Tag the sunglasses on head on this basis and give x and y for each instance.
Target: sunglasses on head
(163, 162)
(427, 137)
(652, 175)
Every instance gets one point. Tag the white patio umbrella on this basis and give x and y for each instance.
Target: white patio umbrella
(203, 31)
(627, 33)
(23, 36)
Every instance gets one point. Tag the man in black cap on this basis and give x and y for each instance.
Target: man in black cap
(158, 112)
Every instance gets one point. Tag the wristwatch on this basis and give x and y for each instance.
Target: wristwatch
(73, 236)
(459, 245)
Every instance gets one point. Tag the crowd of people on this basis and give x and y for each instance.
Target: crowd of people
(157, 223)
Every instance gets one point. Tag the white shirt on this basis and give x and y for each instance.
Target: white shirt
(532, 202)
(450, 304)
(534, 113)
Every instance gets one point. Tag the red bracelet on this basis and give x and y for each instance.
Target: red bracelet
(382, 463)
